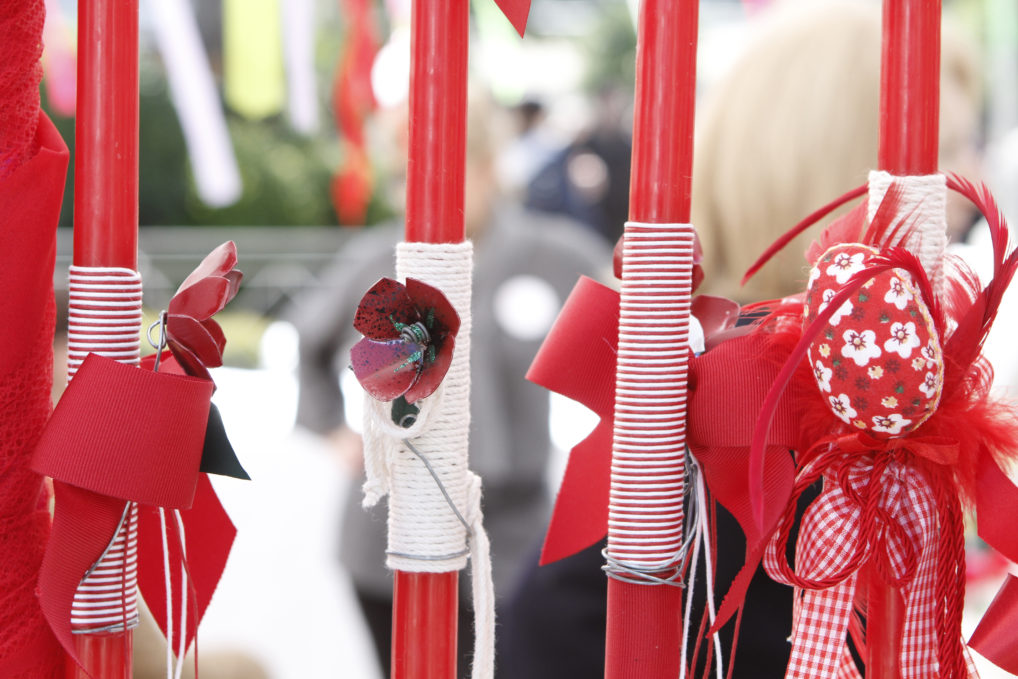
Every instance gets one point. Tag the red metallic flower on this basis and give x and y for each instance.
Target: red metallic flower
(409, 334)
(195, 339)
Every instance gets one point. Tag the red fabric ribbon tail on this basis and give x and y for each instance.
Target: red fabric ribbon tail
(208, 536)
(996, 507)
(581, 509)
(577, 360)
(994, 636)
(84, 523)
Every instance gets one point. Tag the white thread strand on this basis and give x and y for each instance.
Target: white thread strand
(182, 646)
(924, 199)
(104, 317)
(169, 594)
(645, 520)
(435, 518)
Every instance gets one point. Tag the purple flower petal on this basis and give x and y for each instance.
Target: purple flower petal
(384, 306)
(386, 369)
(433, 372)
(429, 299)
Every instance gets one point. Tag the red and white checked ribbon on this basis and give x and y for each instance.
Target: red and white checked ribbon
(834, 541)
(645, 514)
(104, 317)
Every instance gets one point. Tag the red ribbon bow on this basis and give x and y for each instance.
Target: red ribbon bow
(120, 434)
(577, 360)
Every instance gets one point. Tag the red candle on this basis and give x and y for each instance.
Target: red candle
(106, 135)
(910, 87)
(425, 605)
(644, 630)
(909, 128)
(438, 121)
(106, 207)
(662, 166)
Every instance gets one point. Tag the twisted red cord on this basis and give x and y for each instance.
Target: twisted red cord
(950, 588)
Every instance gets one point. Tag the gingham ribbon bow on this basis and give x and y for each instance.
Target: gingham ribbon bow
(871, 507)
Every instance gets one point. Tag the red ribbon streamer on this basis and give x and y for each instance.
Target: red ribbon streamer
(143, 444)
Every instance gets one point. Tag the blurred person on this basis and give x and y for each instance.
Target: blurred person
(794, 125)
(588, 180)
(525, 265)
(790, 127)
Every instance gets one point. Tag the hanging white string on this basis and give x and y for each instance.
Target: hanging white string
(700, 533)
(182, 646)
(169, 594)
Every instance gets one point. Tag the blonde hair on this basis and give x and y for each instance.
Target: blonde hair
(792, 126)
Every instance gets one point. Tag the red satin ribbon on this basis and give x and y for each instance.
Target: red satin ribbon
(122, 434)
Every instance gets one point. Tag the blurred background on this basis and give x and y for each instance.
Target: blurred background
(265, 122)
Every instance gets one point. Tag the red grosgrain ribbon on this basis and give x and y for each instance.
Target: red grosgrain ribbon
(577, 360)
(143, 444)
(994, 637)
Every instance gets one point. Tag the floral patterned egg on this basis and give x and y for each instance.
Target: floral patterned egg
(877, 362)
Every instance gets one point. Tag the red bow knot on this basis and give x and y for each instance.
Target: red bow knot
(873, 507)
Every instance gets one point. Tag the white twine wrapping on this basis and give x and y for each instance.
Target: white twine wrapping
(104, 317)
(645, 513)
(435, 519)
(924, 200)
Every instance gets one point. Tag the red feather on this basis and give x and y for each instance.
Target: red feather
(809, 221)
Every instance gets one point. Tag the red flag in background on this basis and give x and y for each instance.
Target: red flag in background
(352, 102)
(33, 165)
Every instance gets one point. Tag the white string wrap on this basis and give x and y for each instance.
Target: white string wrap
(645, 513)
(104, 317)
(924, 200)
(435, 519)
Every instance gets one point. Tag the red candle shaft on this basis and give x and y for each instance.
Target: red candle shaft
(644, 629)
(884, 625)
(910, 87)
(662, 167)
(644, 633)
(105, 656)
(909, 129)
(106, 135)
(438, 127)
(425, 609)
(106, 207)
(425, 605)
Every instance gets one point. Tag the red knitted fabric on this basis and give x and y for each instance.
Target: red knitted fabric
(21, 24)
(25, 638)
(28, 649)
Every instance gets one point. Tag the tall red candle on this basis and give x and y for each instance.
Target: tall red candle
(909, 136)
(425, 605)
(662, 167)
(438, 121)
(644, 627)
(106, 206)
(910, 87)
(106, 135)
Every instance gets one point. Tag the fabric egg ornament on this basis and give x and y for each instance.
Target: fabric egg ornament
(878, 361)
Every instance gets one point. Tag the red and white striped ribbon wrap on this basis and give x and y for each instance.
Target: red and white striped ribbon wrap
(645, 514)
(104, 317)
(829, 537)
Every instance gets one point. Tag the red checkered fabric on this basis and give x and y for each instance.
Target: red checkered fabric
(884, 510)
